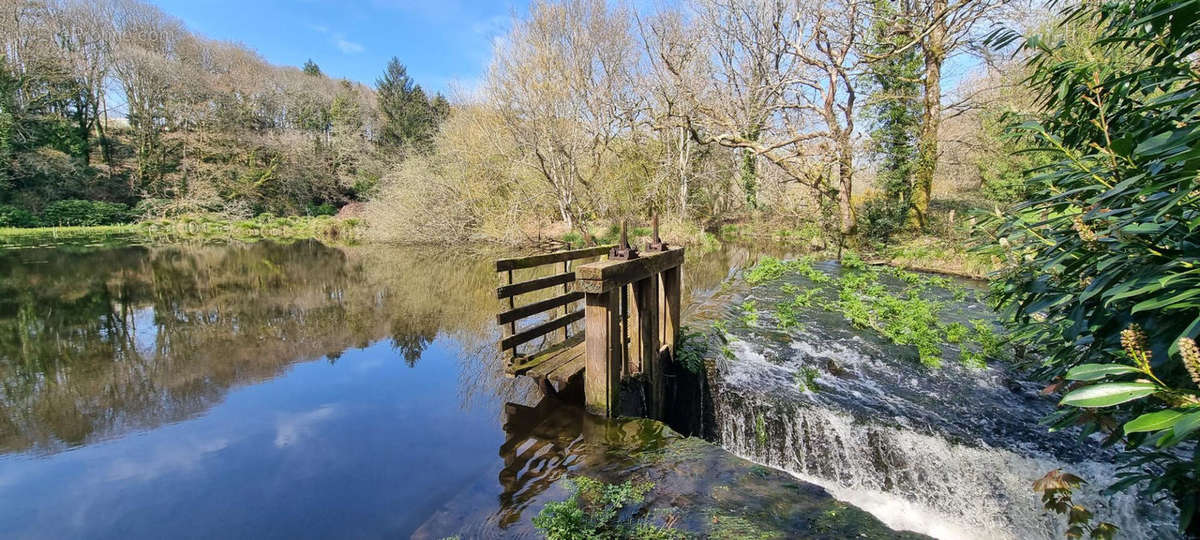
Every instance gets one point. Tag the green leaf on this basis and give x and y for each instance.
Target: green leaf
(1104, 395)
(1154, 421)
(1091, 372)
(1187, 424)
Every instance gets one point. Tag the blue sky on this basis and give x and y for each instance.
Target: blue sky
(441, 41)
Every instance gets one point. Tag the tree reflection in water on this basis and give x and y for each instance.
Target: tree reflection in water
(97, 343)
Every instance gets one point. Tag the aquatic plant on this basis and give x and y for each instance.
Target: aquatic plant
(593, 511)
(785, 316)
(749, 312)
(690, 350)
(806, 379)
(955, 332)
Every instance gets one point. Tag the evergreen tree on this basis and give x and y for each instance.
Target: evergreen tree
(406, 112)
(312, 68)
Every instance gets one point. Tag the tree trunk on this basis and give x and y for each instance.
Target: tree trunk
(845, 187)
(931, 118)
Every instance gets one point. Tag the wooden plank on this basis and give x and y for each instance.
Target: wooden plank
(548, 368)
(645, 293)
(522, 364)
(534, 285)
(671, 282)
(548, 258)
(563, 374)
(602, 276)
(602, 368)
(540, 330)
(537, 307)
(544, 362)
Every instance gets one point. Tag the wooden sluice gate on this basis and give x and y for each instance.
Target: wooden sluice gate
(629, 317)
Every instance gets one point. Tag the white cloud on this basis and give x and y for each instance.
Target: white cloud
(346, 46)
(292, 428)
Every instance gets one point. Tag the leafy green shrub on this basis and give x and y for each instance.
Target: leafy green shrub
(880, 217)
(593, 511)
(1108, 236)
(85, 213)
(323, 209)
(11, 216)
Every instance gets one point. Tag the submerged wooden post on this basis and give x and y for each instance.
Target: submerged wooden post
(602, 367)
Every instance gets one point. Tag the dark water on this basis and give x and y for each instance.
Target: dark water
(270, 390)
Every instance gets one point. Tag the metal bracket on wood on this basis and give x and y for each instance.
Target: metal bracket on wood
(623, 250)
(656, 244)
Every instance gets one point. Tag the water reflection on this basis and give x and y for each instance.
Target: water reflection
(99, 343)
(273, 390)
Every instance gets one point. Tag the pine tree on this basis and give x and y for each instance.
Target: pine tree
(312, 68)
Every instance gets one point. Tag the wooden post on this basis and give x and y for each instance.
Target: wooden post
(646, 300)
(566, 310)
(672, 284)
(602, 368)
(512, 326)
(633, 329)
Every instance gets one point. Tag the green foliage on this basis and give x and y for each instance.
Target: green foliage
(895, 111)
(690, 350)
(410, 118)
(749, 312)
(85, 213)
(1110, 233)
(955, 332)
(1057, 488)
(11, 216)
(323, 209)
(806, 379)
(593, 512)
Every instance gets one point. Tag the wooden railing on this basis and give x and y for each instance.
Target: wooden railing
(553, 345)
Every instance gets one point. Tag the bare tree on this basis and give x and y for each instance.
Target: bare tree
(774, 77)
(563, 83)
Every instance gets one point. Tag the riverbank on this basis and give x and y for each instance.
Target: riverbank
(189, 229)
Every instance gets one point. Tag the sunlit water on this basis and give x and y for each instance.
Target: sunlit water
(301, 390)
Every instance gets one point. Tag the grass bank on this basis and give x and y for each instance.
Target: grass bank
(189, 229)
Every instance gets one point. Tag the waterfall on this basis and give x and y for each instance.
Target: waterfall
(952, 454)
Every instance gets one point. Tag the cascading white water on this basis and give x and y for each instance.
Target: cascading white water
(952, 453)
(925, 483)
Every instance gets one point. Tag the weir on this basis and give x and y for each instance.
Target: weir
(630, 320)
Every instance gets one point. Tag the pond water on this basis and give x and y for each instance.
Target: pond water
(265, 390)
(300, 390)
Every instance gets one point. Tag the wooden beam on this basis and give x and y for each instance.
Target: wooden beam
(564, 373)
(671, 282)
(540, 330)
(646, 302)
(603, 276)
(548, 258)
(549, 354)
(602, 368)
(534, 285)
(517, 314)
(570, 354)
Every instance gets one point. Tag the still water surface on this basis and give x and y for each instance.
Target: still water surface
(265, 390)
